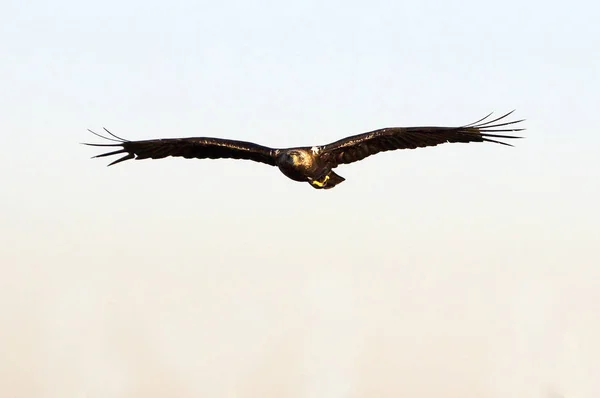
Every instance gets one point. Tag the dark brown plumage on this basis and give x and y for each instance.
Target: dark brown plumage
(314, 164)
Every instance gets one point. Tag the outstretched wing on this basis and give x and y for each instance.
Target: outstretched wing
(189, 148)
(358, 147)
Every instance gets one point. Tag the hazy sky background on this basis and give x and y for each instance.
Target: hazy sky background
(455, 271)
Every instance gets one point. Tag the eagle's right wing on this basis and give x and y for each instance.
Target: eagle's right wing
(357, 147)
(189, 148)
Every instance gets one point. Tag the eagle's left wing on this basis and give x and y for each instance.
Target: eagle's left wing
(358, 147)
(194, 147)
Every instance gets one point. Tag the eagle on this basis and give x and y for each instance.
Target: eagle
(315, 164)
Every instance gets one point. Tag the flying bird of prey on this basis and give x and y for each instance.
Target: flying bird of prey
(314, 164)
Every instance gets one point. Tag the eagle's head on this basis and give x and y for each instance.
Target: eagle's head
(299, 158)
(297, 163)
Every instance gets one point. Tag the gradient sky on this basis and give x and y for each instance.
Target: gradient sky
(454, 271)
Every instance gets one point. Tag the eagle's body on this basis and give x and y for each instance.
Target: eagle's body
(312, 164)
(304, 164)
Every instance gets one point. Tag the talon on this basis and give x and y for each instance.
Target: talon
(320, 184)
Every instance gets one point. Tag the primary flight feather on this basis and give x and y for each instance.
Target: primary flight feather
(314, 164)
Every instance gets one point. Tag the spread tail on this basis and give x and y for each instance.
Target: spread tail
(328, 181)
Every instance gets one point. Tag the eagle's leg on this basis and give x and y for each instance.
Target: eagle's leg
(328, 181)
(320, 184)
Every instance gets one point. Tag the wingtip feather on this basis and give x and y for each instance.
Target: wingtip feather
(116, 136)
(124, 158)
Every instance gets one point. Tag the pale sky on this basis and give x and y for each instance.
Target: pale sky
(454, 271)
